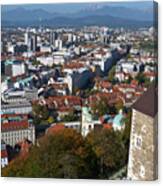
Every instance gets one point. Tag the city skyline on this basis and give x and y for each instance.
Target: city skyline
(79, 91)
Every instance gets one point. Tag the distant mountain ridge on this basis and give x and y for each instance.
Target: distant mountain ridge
(100, 15)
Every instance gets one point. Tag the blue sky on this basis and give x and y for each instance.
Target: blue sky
(74, 7)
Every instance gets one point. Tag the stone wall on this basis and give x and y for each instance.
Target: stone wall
(142, 163)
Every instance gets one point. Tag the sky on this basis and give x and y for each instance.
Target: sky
(73, 7)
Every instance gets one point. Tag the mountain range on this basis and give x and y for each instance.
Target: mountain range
(105, 14)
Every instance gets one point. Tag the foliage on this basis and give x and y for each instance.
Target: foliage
(142, 79)
(109, 149)
(63, 155)
(128, 81)
(119, 105)
(102, 107)
(70, 117)
(66, 154)
(42, 115)
(111, 74)
(36, 63)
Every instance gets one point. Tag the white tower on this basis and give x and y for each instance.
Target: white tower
(87, 124)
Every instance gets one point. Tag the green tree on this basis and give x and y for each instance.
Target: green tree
(36, 63)
(142, 79)
(111, 74)
(59, 155)
(40, 114)
(102, 107)
(109, 149)
(72, 116)
(119, 105)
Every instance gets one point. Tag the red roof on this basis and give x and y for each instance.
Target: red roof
(4, 154)
(14, 126)
(107, 125)
(14, 115)
(55, 128)
(73, 65)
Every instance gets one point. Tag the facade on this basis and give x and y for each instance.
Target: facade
(16, 128)
(14, 68)
(88, 124)
(15, 96)
(4, 155)
(17, 108)
(33, 43)
(143, 160)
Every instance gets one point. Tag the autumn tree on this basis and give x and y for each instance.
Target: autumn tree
(109, 149)
(59, 155)
(42, 115)
(102, 106)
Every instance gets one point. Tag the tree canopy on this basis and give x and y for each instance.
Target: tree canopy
(66, 154)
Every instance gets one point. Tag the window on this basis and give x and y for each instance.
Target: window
(138, 141)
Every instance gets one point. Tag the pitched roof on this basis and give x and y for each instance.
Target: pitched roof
(148, 102)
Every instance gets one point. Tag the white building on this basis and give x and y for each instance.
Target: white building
(4, 155)
(13, 132)
(88, 124)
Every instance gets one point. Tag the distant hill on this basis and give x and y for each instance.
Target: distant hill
(122, 12)
(109, 15)
(22, 14)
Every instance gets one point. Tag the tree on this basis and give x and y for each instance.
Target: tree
(119, 105)
(100, 108)
(109, 149)
(72, 116)
(36, 63)
(63, 154)
(128, 81)
(142, 79)
(111, 74)
(40, 114)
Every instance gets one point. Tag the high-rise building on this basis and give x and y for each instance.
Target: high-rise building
(58, 44)
(26, 38)
(33, 43)
(52, 37)
(143, 149)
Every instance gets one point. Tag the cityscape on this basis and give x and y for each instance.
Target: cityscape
(79, 91)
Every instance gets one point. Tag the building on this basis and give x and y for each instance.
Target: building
(143, 160)
(118, 122)
(17, 108)
(33, 43)
(26, 38)
(52, 37)
(60, 126)
(58, 44)
(14, 68)
(4, 155)
(88, 124)
(15, 128)
(18, 95)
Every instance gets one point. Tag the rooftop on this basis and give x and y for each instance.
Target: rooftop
(148, 102)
